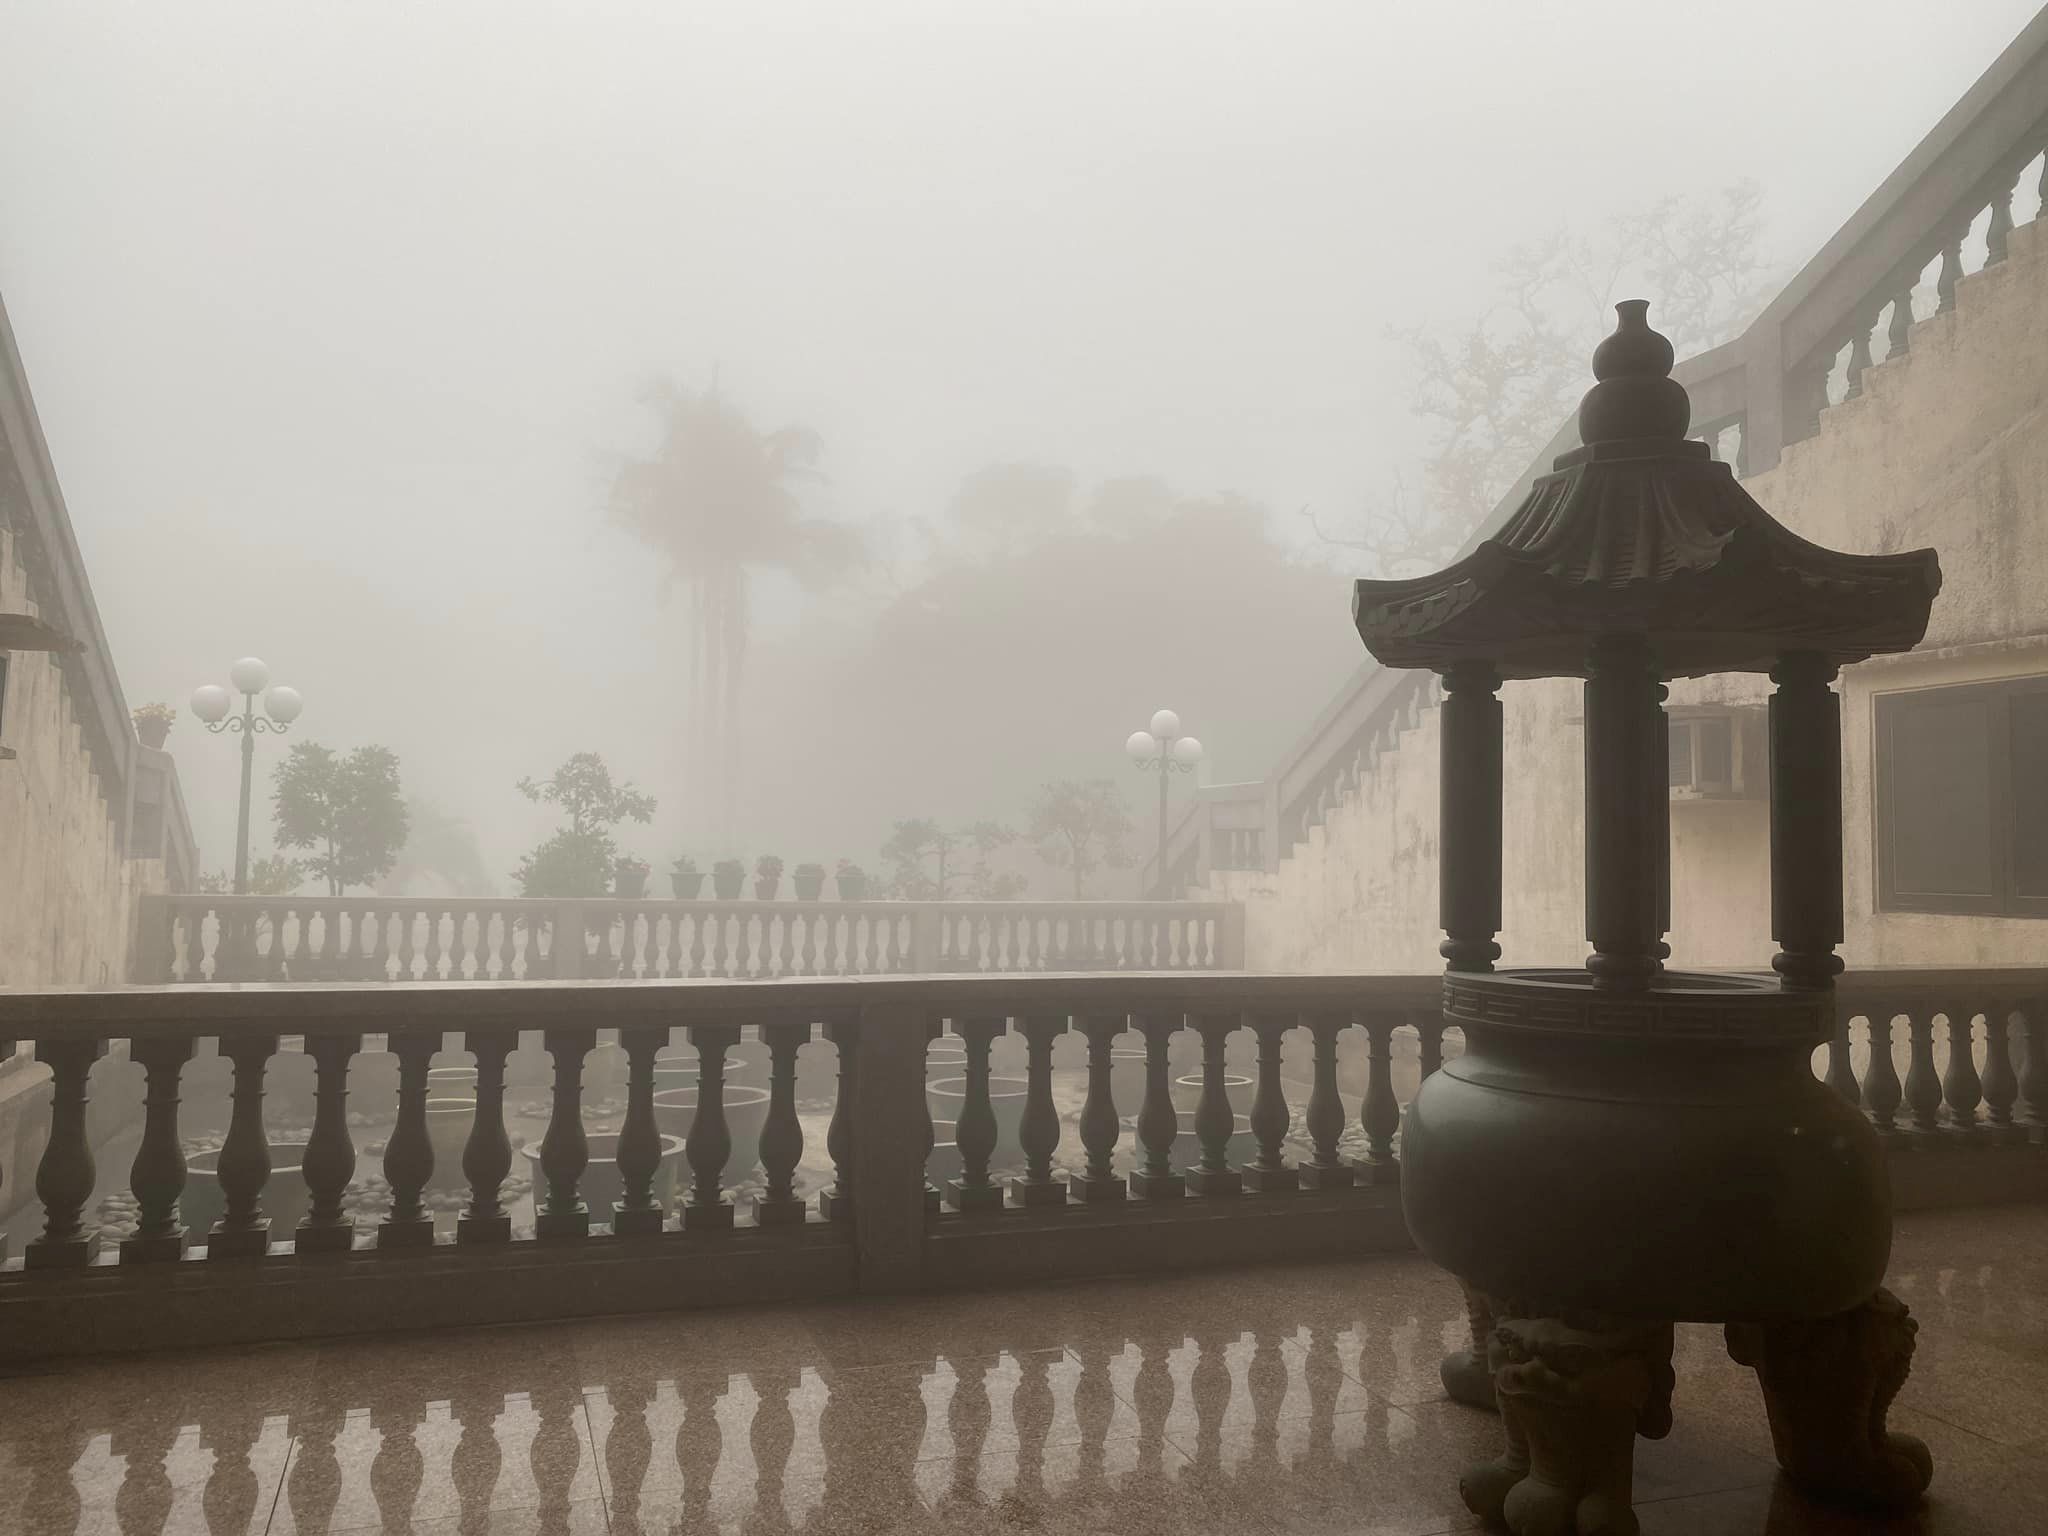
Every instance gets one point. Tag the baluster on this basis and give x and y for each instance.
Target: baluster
(637, 1213)
(1158, 1125)
(1900, 336)
(1039, 1131)
(782, 1134)
(1100, 1126)
(1923, 1088)
(243, 1231)
(157, 1175)
(1841, 1075)
(1380, 1116)
(66, 1174)
(409, 1154)
(406, 950)
(565, 1150)
(1859, 357)
(929, 1133)
(2001, 1087)
(785, 937)
(1960, 1087)
(1999, 230)
(2034, 1069)
(975, 1131)
(1214, 1121)
(1951, 271)
(1268, 1172)
(329, 1161)
(1881, 1093)
(836, 1203)
(487, 1154)
(709, 1143)
(1325, 1119)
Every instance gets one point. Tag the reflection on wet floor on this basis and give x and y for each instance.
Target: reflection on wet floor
(1298, 1399)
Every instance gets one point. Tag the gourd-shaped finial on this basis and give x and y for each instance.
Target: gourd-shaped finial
(1636, 396)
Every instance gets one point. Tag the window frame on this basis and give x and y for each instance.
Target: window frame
(1888, 708)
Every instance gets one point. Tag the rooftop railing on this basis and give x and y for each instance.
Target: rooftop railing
(692, 1142)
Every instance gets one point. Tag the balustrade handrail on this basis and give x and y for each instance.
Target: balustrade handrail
(187, 938)
(1313, 1178)
(1771, 382)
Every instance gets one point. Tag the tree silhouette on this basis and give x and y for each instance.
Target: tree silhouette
(1081, 825)
(348, 810)
(717, 499)
(577, 859)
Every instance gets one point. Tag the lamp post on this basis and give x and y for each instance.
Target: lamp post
(1164, 749)
(213, 703)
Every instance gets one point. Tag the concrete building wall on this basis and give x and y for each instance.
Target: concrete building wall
(70, 907)
(1947, 446)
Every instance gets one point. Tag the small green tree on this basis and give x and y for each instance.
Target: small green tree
(348, 810)
(1081, 825)
(577, 860)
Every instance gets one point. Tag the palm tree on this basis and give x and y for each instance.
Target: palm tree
(717, 498)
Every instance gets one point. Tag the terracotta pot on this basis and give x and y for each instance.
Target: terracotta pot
(852, 887)
(765, 887)
(600, 1187)
(152, 732)
(746, 1112)
(285, 1196)
(809, 887)
(687, 886)
(945, 1095)
(726, 884)
(629, 882)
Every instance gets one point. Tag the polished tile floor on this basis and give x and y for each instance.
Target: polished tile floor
(1275, 1400)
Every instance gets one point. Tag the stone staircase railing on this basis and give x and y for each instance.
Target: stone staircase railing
(1946, 211)
(690, 1142)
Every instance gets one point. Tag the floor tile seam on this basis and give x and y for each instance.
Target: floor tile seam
(600, 1474)
(1991, 1441)
(284, 1472)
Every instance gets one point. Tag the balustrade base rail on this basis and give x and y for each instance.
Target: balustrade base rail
(1966, 1122)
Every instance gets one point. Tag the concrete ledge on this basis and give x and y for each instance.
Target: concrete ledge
(113, 1308)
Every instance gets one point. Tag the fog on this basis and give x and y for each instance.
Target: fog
(338, 320)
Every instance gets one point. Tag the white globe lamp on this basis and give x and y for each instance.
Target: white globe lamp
(211, 703)
(1166, 724)
(250, 675)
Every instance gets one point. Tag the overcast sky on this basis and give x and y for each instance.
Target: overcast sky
(332, 311)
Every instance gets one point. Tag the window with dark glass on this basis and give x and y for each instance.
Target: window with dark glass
(1962, 799)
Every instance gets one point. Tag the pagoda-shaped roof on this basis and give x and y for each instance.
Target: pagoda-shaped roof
(1641, 532)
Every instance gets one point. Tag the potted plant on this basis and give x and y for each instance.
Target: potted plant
(629, 878)
(686, 878)
(810, 881)
(153, 723)
(767, 877)
(852, 879)
(726, 876)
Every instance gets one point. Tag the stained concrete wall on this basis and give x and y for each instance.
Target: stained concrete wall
(1947, 446)
(69, 911)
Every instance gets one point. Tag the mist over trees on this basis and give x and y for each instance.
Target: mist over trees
(1491, 396)
(718, 500)
(348, 811)
(580, 857)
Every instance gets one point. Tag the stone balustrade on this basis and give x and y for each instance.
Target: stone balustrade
(393, 938)
(1165, 1120)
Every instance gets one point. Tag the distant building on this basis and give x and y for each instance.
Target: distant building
(1894, 395)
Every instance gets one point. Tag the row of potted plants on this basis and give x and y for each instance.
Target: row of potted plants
(729, 875)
